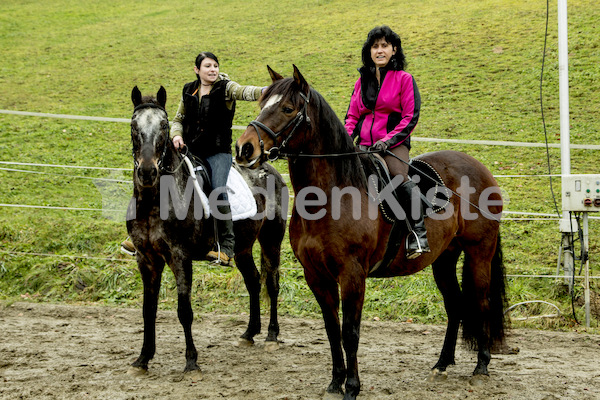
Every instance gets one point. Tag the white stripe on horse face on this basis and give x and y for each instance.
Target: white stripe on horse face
(273, 100)
(149, 123)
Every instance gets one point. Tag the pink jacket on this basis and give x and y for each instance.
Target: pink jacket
(389, 113)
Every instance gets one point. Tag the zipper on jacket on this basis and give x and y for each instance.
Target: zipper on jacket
(374, 106)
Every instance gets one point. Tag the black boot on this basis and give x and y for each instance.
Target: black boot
(224, 253)
(416, 240)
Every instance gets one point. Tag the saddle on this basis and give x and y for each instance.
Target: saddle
(434, 193)
(435, 196)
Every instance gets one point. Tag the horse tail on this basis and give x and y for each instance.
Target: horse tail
(486, 321)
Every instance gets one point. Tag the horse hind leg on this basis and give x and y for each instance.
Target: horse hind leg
(485, 299)
(444, 272)
(245, 264)
(270, 241)
(270, 269)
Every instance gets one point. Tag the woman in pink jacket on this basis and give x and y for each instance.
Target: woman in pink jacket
(383, 112)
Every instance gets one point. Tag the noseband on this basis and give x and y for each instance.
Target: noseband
(142, 106)
(275, 152)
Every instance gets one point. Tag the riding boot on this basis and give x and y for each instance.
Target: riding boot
(416, 240)
(127, 247)
(224, 253)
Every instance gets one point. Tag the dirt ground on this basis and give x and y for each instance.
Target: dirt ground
(84, 352)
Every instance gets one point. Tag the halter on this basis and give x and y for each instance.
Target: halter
(274, 153)
(164, 151)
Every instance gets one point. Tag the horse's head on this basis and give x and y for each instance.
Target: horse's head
(284, 111)
(149, 135)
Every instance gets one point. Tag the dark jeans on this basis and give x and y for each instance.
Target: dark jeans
(219, 165)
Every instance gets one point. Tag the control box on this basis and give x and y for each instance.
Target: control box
(581, 192)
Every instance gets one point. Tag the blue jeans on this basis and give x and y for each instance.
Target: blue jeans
(219, 165)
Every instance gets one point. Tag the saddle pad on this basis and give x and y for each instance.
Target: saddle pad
(241, 199)
(434, 193)
(431, 184)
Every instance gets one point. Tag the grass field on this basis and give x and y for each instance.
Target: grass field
(478, 67)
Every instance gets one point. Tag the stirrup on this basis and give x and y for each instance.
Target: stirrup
(411, 254)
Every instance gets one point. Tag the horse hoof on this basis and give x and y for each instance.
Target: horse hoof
(271, 346)
(136, 371)
(332, 396)
(241, 342)
(479, 380)
(437, 376)
(194, 376)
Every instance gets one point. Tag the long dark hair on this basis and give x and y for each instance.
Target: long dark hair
(398, 62)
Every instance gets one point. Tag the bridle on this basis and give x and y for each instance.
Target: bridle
(275, 152)
(160, 161)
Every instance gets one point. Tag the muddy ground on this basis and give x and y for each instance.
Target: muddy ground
(84, 352)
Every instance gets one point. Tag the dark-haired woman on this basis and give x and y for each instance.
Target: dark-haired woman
(383, 112)
(203, 124)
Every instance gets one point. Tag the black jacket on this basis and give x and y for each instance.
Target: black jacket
(207, 126)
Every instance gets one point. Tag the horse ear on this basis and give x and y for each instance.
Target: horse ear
(300, 81)
(274, 75)
(161, 97)
(136, 96)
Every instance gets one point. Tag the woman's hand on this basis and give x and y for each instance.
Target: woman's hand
(178, 142)
(380, 145)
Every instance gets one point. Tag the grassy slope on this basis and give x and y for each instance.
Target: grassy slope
(477, 64)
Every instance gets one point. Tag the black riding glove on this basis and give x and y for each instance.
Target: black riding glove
(380, 146)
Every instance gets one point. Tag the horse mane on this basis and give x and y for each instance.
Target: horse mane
(326, 124)
(337, 141)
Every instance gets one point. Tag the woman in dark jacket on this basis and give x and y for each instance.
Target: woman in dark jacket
(203, 124)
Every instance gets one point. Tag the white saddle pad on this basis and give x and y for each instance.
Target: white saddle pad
(241, 200)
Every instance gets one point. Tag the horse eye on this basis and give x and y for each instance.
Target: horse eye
(287, 110)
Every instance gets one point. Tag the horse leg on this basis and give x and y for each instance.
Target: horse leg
(326, 293)
(183, 277)
(151, 277)
(270, 264)
(270, 241)
(477, 275)
(444, 272)
(245, 264)
(352, 287)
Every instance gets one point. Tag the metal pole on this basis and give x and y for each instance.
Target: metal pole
(586, 282)
(563, 86)
(565, 140)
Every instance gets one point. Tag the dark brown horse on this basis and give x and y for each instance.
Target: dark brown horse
(338, 241)
(167, 228)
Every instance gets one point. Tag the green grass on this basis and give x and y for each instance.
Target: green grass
(477, 64)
